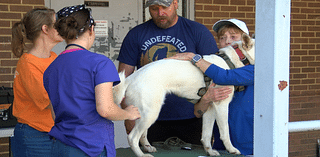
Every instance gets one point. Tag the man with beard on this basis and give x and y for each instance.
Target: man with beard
(163, 36)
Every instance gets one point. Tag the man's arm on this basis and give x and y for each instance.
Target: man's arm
(128, 68)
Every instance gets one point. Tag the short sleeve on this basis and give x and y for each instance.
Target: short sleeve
(128, 51)
(106, 72)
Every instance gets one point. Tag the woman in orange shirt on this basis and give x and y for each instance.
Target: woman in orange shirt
(31, 101)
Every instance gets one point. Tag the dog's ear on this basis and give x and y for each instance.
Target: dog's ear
(246, 42)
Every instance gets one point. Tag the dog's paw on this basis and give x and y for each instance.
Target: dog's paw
(147, 155)
(149, 148)
(234, 151)
(213, 152)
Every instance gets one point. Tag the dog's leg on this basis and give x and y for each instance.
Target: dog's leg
(147, 147)
(208, 120)
(135, 135)
(149, 115)
(222, 120)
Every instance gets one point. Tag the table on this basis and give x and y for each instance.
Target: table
(195, 152)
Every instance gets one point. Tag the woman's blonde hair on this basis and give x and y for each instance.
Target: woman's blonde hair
(30, 27)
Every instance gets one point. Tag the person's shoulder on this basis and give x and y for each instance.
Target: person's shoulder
(96, 57)
(191, 22)
(192, 25)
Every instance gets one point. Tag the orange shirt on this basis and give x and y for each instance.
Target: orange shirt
(30, 97)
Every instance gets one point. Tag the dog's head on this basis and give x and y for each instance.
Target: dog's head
(240, 52)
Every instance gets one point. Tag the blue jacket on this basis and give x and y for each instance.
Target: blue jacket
(240, 108)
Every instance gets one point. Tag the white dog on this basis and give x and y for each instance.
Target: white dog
(147, 87)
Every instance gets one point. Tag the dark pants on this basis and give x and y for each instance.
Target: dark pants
(28, 142)
(188, 130)
(60, 149)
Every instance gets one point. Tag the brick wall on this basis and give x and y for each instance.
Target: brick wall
(304, 59)
(11, 11)
(304, 64)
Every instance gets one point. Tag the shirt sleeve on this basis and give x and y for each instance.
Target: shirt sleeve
(128, 51)
(243, 76)
(32, 80)
(106, 72)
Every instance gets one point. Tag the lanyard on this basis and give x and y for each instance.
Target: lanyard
(75, 45)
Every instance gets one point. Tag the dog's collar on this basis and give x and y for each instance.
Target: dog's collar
(242, 57)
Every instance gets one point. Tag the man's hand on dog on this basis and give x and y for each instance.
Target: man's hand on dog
(213, 94)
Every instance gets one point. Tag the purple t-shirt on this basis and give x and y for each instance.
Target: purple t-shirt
(70, 81)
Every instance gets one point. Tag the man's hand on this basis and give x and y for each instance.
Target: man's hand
(213, 94)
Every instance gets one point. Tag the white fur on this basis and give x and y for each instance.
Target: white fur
(147, 87)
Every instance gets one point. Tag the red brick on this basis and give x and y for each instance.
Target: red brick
(314, 52)
(308, 34)
(295, 10)
(314, 64)
(300, 52)
(299, 4)
(300, 64)
(203, 14)
(6, 55)
(6, 77)
(204, 1)
(300, 87)
(228, 8)
(4, 47)
(4, 39)
(19, 8)
(221, 14)
(308, 22)
(220, 1)
(198, 7)
(238, 15)
(237, 2)
(11, 1)
(300, 40)
(9, 62)
(314, 40)
(41, 2)
(308, 58)
(299, 28)
(313, 87)
(295, 22)
(10, 16)
(246, 9)
(250, 15)
(4, 8)
(5, 71)
(211, 8)
(308, 81)
(313, 5)
(298, 16)
(5, 31)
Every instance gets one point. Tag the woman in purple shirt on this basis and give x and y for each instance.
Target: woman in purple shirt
(79, 84)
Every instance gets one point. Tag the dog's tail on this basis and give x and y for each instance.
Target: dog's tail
(120, 89)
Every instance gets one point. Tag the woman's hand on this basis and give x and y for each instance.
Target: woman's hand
(133, 112)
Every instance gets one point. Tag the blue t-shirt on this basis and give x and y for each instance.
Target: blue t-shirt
(240, 109)
(70, 82)
(146, 43)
